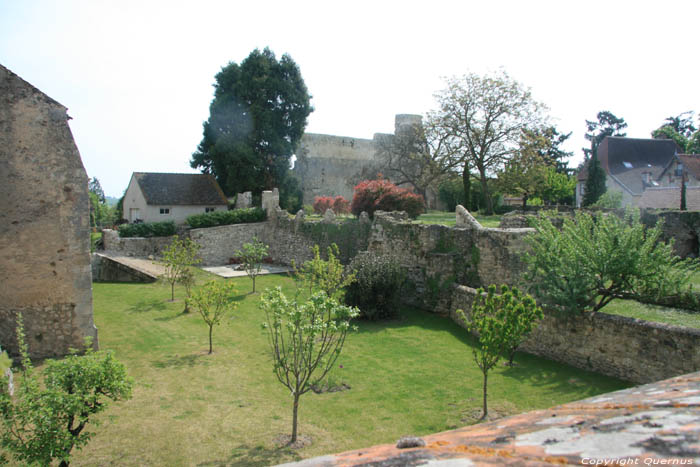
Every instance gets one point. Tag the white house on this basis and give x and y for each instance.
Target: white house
(158, 197)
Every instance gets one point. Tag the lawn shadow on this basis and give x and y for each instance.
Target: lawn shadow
(178, 361)
(258, 456)
(153, 304)
(172, 317)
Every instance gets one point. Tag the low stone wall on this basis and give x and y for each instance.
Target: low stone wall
(626, 348)
(133, 246)
(218, 244)
(106, 269)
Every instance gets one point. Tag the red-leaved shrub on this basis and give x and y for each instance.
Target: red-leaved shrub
(376, 195)
(322, 203)
(341, 205)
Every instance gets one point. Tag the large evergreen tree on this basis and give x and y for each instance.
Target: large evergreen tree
(595, 182)
(257, 118)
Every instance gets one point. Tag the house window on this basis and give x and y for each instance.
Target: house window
(209, 209)
(165, 210)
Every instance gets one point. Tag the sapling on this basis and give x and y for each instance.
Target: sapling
(251, 256)
(213, 301)
(177, 258)
(323, 275)
(305, 340)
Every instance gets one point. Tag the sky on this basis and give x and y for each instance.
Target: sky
(137, 76)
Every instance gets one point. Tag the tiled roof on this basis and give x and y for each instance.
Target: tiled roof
(180, 189)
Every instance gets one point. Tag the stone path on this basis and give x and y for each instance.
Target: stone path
(230, 270)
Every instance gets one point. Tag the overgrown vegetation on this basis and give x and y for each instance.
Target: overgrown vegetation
(323, 275)
(500, 322)
(235, 216)
(305, 340)
(376, 290)
(598, 258)
(147, 229)
(47, 417)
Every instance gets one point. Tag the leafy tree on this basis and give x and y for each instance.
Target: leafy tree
(546, 142)
(500, 323)
(557, 187)
(95, 187)
(524, 174)
(595, 182)
(681, 130)
(323, 275)
(177, 258)
(607, 124)
(479, 122)
(451, 192)
(47, 417)
(305, 340)
(187, 280)
(213, 301)
(595, 259)
(251, 256)
(257, 118)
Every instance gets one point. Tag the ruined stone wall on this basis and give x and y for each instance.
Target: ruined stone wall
(139, 247)
(44, 226)
(626, 348)
(218, 244)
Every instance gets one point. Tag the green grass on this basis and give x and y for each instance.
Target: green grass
(414, 376)
(654, 313)
(448, 219)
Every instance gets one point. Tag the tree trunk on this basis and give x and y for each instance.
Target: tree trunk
(485, 193)
(511, 355)
(172, 291)
(294, 418)
(467, 184)
(524, 202)
(486, 410)
(64, 464)
(253, 277)
(210, 347)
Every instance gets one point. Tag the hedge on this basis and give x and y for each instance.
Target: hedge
(147, 229)
(236, 216)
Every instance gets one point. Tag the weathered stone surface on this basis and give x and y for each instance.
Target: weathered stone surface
(44, 227)
(219, 244)
(464, 220)
(120, 269)
(244, 200)
(133, 246)
(655, 424)
(271, 202)
(329, 216)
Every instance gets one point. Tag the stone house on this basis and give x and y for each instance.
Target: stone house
(160, 197)
(632, 165)
(688, 164)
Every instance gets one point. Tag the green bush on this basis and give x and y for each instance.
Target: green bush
(237, 216)
(377, 285)
(147, 229)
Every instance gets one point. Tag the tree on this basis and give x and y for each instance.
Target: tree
(323, 275)
(95, 187)
(681, 130)
(257, 118)
(305, 340)
(557, 188)
(47, 417)
(479, 122)
(500, 323)
(595, 181)
(177, 258)
(546, 142)
(607, 124)
(213, 301)
(596, 259)
(251, 256)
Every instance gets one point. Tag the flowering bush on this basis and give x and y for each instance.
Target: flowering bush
(341, 205)
(322, 203)
(373, 195)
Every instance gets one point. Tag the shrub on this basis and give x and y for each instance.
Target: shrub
(377, 285)
(451, 192)
(595, 259)
(308, 209)
(147, 229)
(322, 203)
(374, 195)
(609, 199)
(236, 216)
(341, 205)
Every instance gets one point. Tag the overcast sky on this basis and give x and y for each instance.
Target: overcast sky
(137, 76)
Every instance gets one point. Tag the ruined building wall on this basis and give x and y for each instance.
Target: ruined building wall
(44, 227)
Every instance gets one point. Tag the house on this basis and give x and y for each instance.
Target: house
(677, 166)
(631, 164)
(158, 197)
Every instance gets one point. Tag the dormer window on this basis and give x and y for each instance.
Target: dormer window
(628, 165)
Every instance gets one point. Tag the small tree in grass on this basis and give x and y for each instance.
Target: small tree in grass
(45, 420)
(305, 339)
(499, 322)
(252, 255)
(187, 280)
(321, 275)
(213, 301)
(177, 258)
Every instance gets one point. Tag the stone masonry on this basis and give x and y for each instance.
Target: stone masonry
(44, 228)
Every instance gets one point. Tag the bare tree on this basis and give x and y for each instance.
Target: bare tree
(479, 121)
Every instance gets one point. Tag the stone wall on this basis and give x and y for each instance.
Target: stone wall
(106, 269)
(626, 348)
(44, 226)
(218, 244)
(133, 246)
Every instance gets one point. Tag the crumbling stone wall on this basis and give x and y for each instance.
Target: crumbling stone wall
(626, 348)
(218, 244)
(44, 226)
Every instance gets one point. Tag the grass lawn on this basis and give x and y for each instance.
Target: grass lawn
(658, 314)
(448, 218)
(415, 376)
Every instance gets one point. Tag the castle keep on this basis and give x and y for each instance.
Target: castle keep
(44, 227)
